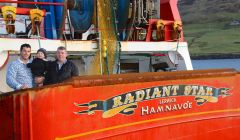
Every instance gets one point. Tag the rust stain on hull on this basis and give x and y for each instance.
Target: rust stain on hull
(147, 77)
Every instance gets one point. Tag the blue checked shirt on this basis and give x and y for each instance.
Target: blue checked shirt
(19, 74)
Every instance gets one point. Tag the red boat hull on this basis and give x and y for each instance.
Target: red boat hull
(171, 105)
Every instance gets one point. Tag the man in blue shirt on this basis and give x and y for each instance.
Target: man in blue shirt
(19, 76)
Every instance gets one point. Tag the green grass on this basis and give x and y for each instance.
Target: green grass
(211, 38)
(206, 26)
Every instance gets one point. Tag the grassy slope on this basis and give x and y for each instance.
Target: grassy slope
(206, 25)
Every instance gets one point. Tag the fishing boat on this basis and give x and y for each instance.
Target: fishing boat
(136, 77)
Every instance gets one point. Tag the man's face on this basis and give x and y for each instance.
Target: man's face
(25, 53)
(61, 55)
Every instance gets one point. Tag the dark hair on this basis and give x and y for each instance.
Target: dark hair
(61, 48)
(43, 51)
(25, 46)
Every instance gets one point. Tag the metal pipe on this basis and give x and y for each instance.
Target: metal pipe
(62, 25)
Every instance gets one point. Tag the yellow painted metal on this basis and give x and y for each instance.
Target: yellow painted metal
(9, 16)
(177, 25)
(160, 29)
(36, 16)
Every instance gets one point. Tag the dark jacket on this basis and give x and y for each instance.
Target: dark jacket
(38, 67)
(54, 75)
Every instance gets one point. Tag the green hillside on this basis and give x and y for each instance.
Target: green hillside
(211, 26)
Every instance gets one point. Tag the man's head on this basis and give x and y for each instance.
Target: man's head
(25, 51)
(61, 54)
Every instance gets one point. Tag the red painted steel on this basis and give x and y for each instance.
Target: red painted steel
(24, 11)
(169, 10)
(169, 14)
(31, 2)
(168, 30)
(4, 64)
(208, 111)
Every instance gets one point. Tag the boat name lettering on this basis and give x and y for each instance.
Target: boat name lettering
(167, 100)
(148, 110)
(126, 103)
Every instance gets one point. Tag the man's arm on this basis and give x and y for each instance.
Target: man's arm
(11, 77)
(75, 71)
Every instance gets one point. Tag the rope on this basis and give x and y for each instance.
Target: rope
(178, 40)
(38, 37)
(107, 66)
(117, 58)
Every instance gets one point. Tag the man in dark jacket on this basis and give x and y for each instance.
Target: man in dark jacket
(60, 69)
